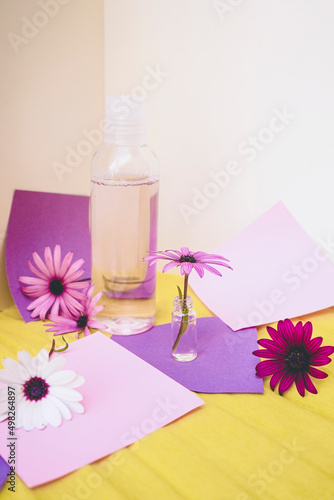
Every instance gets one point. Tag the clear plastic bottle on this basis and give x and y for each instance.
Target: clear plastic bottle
(123, 219)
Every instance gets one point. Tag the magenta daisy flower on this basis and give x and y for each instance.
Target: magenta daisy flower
(55, 287)
(188, 261)
(293, 355)
(78, 322)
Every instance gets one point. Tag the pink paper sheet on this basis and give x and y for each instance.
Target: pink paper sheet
(278, 272)
(37, 220)
(124, 398)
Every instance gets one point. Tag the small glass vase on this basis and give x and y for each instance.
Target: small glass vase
(184, 330)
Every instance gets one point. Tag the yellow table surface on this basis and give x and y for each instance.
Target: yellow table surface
(235, 447)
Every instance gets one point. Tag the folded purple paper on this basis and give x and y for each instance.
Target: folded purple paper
(4, 470)
(225, 362)
(38, 220)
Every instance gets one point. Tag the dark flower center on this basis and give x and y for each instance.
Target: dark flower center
(187, 258)
(82, 321)
(56, 287)
(36, 388)
(298, 360)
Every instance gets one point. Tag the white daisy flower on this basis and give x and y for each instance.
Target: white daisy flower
(45, 394)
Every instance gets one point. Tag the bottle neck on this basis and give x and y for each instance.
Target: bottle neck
(120, 140)
(124, 135)
(181, 305)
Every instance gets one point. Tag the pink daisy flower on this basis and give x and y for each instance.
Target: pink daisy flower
(78, 322)
(293, 356)
(188, 260)
(55, 286)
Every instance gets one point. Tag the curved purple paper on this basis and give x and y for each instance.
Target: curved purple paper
(37, 220)
(225, 362)
(4, 470)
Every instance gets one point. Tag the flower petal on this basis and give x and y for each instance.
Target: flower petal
(273, 346)
(286, 329)
(96, 310)
(3, 403)
(97, 325)
(55, 307)
(73, 277)
(77, 382)
(30, 280)
(308, 327)
(319, 360)
(211, 269)
(14, 372)
(38, 417)
(26, 360)
(266, 368)
(266, 353)
(314, 372)
(65, 393)
(327, 350)
(286, 382)
(299, 333)
(314, 345)
(199, 269)
(61, 406)
(41, 266)
(91, 303)
(41, 360)
(169, 266)
(51, 413)
(309, 384)
(49, 261)
(54, 365)
(186, 268)
(275, 379)
(57, 260)
(75, 407)
(278, 338)
(61, 377)
(28, 416)
(65, 264)
(203, 256)
(73, 270)
(40, 301)
(300, 384)
(37, 273)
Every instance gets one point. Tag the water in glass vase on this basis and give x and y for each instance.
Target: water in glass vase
(123, 231)
(184, 330)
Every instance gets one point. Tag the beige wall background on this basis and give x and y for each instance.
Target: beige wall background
(241, 115)
(52, 91)
(239, 96)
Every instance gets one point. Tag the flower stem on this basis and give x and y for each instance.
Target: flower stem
(52, 350)
(184, 322)
(185, 287)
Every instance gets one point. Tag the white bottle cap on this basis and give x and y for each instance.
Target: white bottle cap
(124, 120)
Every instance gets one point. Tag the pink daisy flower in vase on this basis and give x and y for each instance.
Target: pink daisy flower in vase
(292, 357)
(183, 317)
(81, 321)
(55, 286)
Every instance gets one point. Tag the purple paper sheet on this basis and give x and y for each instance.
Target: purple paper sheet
(37, 220)
(225, 362)
(4, 470)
